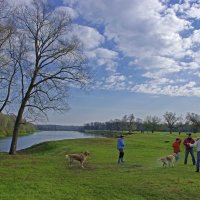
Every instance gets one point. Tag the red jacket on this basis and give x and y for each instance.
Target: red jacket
(188, 140)
(176, 146)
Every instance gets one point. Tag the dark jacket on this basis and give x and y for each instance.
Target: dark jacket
(188, 140)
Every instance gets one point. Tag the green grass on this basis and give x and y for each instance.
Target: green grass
(41, 173)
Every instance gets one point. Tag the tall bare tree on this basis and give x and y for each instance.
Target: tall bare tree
(194, 120)
(7, 67)
(131, 123)
(181, 124)
(171, 120)
(124, 122)
(6, 27)
(139, 125)
(51, 61)
(151, 123)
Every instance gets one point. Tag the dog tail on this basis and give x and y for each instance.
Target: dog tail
(66, 156)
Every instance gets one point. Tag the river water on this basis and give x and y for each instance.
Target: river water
(39, 137)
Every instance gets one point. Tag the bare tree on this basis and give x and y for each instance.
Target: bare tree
(171, 120)
(116, 124)
(9, 74)
(131, 123)
(108, 125)
(6, 27)
(180, 124)
(151, 123)
(194, 120)
(124, 123)
(7, 67)
(139, 125)
(6, 85)
(51, 60)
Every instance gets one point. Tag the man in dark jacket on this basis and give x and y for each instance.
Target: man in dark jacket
(189, 149)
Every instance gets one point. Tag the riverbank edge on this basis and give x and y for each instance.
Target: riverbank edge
(108, 133)
(6, 134)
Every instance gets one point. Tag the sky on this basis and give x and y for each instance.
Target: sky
(145, 55)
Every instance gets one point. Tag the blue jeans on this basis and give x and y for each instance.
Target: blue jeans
(177, 156)
(198, 160)
(191, 151)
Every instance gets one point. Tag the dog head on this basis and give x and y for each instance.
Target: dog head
(86, 153)
(174, 154)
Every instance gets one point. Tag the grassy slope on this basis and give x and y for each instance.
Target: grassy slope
(41, 173)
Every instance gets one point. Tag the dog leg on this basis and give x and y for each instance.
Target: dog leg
(66, 162)
(164, 164)
(70, 162)
(82, 164)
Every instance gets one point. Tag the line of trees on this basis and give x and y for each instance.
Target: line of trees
(170, 122)
(40, 58)
(7, 123)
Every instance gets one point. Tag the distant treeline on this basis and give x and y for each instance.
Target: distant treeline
(170, 122)
(58, 128)
(7, 124)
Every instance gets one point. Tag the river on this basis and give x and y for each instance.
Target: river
(39, 137)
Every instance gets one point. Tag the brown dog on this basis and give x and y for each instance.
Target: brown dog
(78, 157)
(168, 160)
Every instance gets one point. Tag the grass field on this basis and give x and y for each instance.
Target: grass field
(41, 173)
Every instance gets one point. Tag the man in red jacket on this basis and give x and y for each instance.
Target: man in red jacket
(189, 149)
(176, 147)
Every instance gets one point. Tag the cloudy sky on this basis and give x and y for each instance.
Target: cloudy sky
(145, 55)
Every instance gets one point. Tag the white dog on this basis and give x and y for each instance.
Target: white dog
(168, 160)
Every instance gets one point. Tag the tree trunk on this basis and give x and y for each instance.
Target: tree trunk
(13, 146)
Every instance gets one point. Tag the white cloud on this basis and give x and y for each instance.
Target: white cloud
(190, 8)
(92, 41)
(90, 37)
(115, 78)
(114, 81)
(19, 2)
(70, 2)
(197, 74)
(160, 42)
(107, 57)
(189, 89)
(106, 53)
(72, 13)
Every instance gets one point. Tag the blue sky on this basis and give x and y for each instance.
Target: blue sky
(145, 55)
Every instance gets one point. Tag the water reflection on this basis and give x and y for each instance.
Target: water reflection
(42, 136)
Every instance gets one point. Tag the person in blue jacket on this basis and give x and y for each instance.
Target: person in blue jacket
(120, 147)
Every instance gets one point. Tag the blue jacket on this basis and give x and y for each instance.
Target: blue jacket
(120, 143)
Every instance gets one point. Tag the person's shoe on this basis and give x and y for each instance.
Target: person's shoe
(197, 171)
(119, 161)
